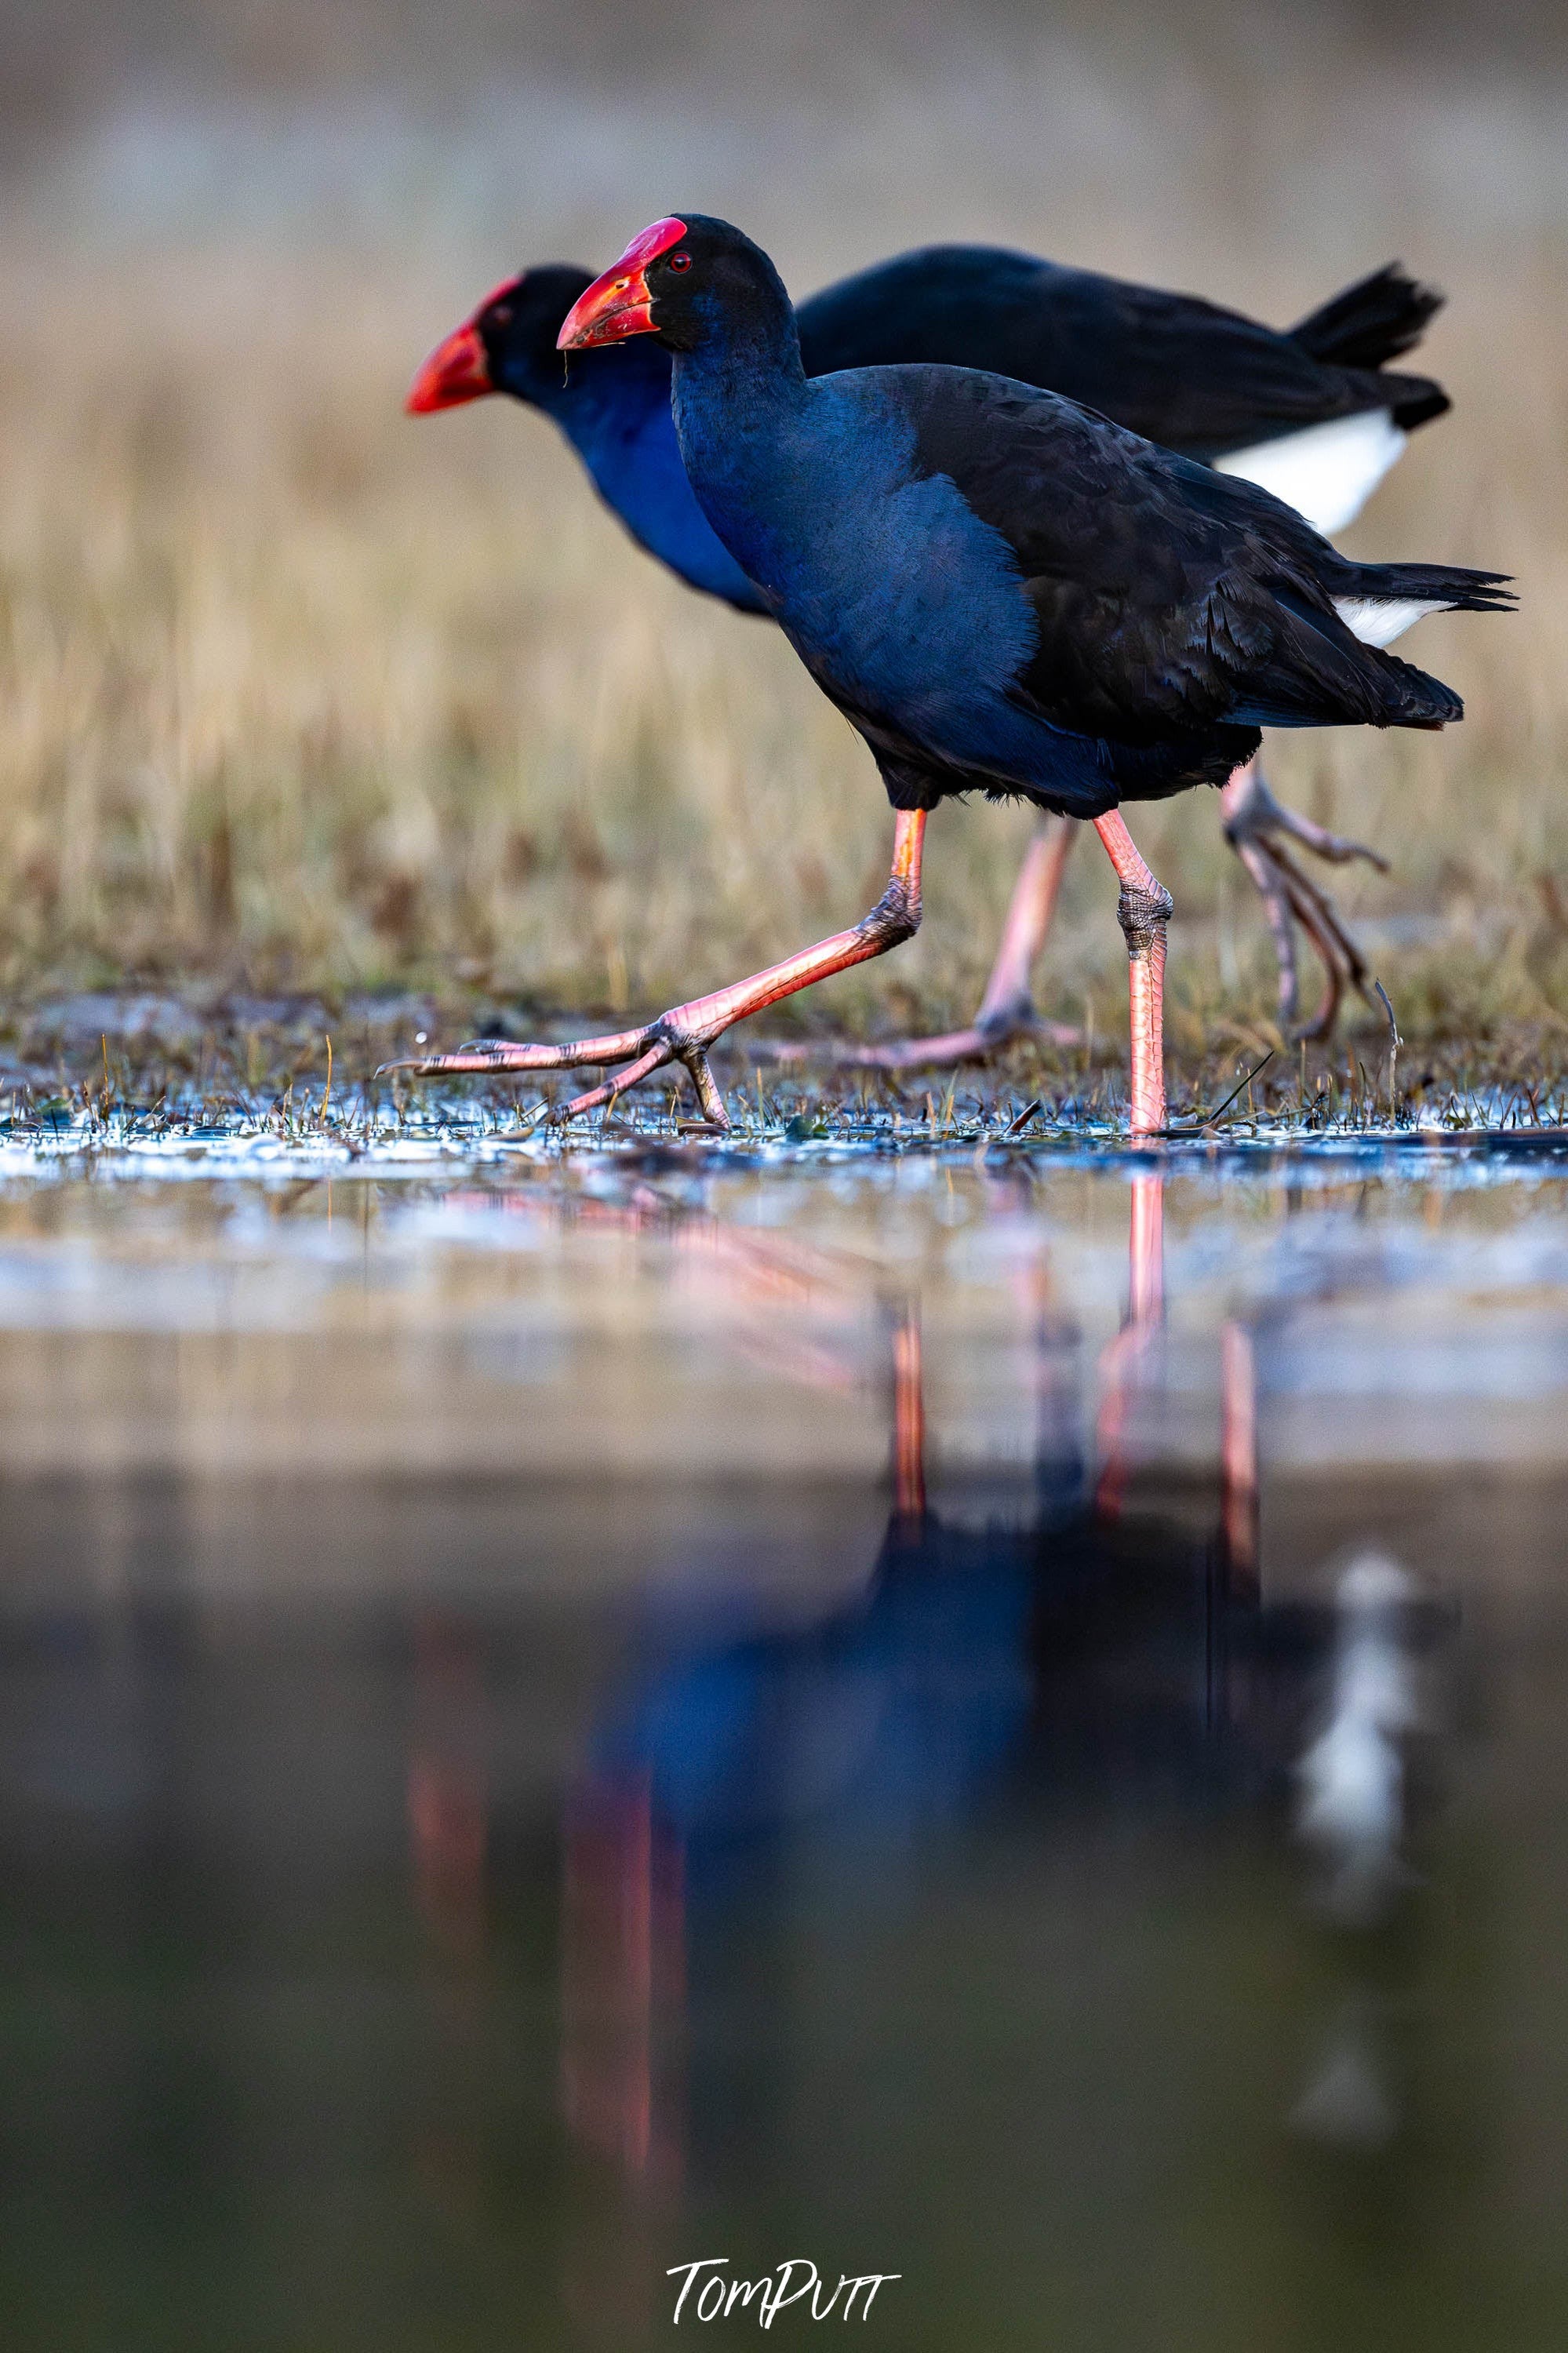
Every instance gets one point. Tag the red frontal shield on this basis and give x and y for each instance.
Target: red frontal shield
(618, 304)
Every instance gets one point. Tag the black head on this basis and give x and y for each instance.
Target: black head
(507, 345)
(686, 280)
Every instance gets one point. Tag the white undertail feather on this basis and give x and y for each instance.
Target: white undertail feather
(1377, 622)
(1326, 472)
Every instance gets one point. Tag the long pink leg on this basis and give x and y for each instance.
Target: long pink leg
(1144, 910)
(1006, 1010)
(686, 1032)
(1255, 823)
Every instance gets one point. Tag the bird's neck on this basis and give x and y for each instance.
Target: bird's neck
(754, 362)
(737, 403)
(592, 393)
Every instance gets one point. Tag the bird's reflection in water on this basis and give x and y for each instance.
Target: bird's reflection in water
(1353, 1814)
(1075, 1646)
(448, 1800)
(1074, 1651)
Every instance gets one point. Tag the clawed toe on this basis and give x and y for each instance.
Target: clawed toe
(686, 1032)
(1257, 828)
(644, 1052)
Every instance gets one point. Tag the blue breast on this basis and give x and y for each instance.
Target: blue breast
(899, 598)
(617, 416)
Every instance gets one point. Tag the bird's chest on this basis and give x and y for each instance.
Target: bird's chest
(895, 593)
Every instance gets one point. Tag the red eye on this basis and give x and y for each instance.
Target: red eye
(680, 261)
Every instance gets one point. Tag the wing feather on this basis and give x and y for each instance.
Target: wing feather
(1164, 595)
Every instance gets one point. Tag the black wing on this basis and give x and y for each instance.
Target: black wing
(1167, 597)
(1181, 371)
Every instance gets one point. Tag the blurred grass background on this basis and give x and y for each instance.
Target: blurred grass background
(297, 692)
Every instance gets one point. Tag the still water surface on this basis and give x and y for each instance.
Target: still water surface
(998, 1720)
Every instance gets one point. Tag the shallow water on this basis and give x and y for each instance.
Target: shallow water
(563, 1715)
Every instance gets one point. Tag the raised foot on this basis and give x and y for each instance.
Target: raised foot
(1257, 828)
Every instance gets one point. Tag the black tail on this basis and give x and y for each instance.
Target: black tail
(1454, 586)
(1322, 675)
(1371, 322)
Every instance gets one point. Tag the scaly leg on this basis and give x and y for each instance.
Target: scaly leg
(1144, 910)
(685, 1033)
(1254, 823)
(1006, 1010)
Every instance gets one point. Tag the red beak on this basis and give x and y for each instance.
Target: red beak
(456, 370)
(618, 304)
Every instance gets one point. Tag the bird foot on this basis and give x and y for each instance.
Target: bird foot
(686, 1032)
(1257, 828)
(643, 1050)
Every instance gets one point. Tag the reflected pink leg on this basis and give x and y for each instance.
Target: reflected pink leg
(623, 1969)
(1144, 910)
(908, 1420)
(1122, 1360)
(1238, 1458)
(448, 1802)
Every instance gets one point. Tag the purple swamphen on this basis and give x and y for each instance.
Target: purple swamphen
(1312, 412)
(1003, 592)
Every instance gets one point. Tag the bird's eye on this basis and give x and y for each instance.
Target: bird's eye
(680, 261)
(503, 316)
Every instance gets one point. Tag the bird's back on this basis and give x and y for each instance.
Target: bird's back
(1173, 367)
(998, 582)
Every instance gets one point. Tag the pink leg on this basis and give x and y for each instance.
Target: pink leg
(1006, 1010)
(1143, 911)
(684, 1034)
(1257, 826)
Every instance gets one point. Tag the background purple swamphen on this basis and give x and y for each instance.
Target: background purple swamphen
(1003, 592)
(1311, 413)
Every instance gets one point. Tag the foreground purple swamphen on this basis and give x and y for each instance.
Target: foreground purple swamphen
(1003, 592)
(1312, 413)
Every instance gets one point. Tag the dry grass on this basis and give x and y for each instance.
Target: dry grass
(298, 693)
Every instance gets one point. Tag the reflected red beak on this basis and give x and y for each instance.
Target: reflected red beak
(456, 370)
(618, 304)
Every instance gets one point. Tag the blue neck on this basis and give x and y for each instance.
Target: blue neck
(738, 404)
(614, 408)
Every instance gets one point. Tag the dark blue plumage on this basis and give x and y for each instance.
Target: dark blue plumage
(614, 409)
(1197, 377)
(1312, 412)
(1002, 591)
(999, 588)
